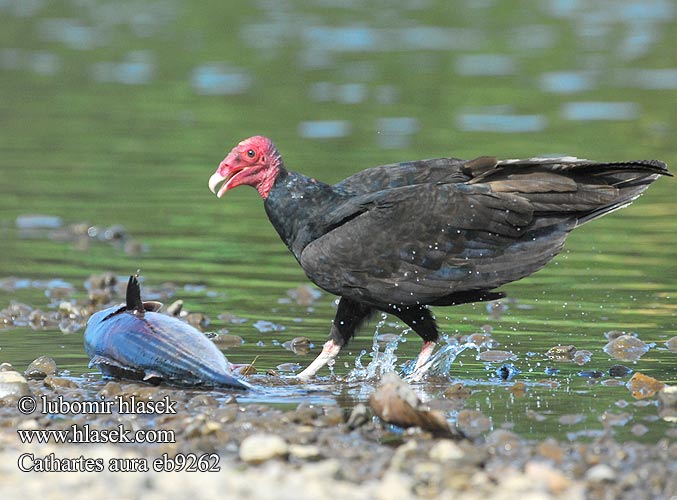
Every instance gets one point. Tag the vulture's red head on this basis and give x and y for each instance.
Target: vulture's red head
(255, 162)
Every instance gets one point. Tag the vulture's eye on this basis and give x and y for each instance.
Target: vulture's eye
(251, 153)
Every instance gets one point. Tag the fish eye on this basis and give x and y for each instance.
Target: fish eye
(251, 153)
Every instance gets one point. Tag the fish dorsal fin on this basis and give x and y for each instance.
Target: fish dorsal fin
(152, 306)
(134, 302)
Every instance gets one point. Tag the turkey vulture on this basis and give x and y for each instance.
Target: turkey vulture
(401, 237)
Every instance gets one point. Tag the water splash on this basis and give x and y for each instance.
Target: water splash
(381, 361)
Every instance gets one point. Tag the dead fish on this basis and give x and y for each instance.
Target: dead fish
(134, 341)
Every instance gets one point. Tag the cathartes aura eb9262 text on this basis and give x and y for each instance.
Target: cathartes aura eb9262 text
(401, 237)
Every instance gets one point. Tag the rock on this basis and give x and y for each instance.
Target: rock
(495, 356)
(457, 391)
(600, 473)
(473, 423)
(396, 403)
(198, 320)
(174, 309)
(258, 448)
(504, 442)
(446, 450)
(626, 348)
(111, 389)
(672, 344)
(304, 295)
(642, 386)
(619, 371)
(506, 371)
(667, 403)
(571, 419)
(305, 452)
(56, 382)
(226, 340)
(582, 357)
(298, 345)
(359, 416)
(561, 353)
(13, 384)
(552, 450)
(40, 368)
(6, 367)
(518, 389)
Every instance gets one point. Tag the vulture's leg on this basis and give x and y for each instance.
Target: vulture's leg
(420, 319)
(349, 316)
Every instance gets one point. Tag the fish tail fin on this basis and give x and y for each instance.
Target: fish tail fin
(134, 302)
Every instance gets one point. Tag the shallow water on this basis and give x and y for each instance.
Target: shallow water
(118, 116)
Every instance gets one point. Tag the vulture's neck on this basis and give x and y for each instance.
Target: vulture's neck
(295, 204)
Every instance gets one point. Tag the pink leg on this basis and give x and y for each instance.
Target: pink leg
(422, 365)
(329, 351)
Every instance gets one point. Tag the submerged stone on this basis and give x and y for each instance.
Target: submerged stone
(626, 348)
(561, 353)
(506, 371)
(494, 356)
(619, 371)
(642, 386)
(672, 344)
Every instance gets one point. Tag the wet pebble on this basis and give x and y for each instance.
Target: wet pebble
(552, 450)
(264, 326)
(298, 345)
(231, 318)
(672, 344)
(504, 442)
(305, 452)
(600, 473)
(534, 415)
(582, 357)
(289, 367)
(626, 348)
(642, 386)
(258, 448)
(304, 295)
(359, 416)
(667, 403)
(639, 429)
(619, 371)
(54, 382)
(226, 340)
(457, 391)
(473, 423)
(13, 384)
(615, 419)
(518, 389)
(493, 356)
(561, 353)
(396, 403)
(198, 320)
(481, 340)
(571, 419)
(446, 450)
(591, 374)
(506, 371)
(40, 368)
(175, 308)
(111, 389)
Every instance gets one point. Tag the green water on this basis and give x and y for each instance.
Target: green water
(118, 113)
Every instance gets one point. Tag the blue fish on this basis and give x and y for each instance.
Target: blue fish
(134, 341)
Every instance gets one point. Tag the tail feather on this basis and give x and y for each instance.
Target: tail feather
(581, 189)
